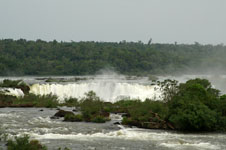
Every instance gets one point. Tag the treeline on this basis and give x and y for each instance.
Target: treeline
(22, 57)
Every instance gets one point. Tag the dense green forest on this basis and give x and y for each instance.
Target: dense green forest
(22, 57)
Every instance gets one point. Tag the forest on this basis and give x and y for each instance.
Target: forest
(25, 57)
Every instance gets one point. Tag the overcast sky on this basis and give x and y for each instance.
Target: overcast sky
(165, 21)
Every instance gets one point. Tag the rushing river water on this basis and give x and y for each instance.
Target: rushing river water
(107, 136)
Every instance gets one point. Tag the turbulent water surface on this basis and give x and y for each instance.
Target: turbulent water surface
(80, 135)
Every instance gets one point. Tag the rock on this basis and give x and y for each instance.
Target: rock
(23, 105)
(54, 117)
(62, 113)
(153, 122)
(117, 123)
(41, 110)
(154, 125)
(125, 114)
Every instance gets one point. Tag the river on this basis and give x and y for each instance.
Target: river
(55, 133)
(83, 136)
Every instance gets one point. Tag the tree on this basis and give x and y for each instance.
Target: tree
(149, 42)
(195, 107)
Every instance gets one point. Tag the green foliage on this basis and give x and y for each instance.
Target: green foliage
(29, 100)
(222, 105)
(64, 148)
(92, 108)
(73, 118)
(196, 107)
(99, 119)
(130, 121)
(169, 89)
(33, 100)
(157, 107)
(15, 84)
(10, 83)
(139, 113)
(6, 100)
(194, 116)
(124, 105)
(127, 102)
(23, 143)
(91, 104)
(22, 57)
(191, 106)
(71, 102)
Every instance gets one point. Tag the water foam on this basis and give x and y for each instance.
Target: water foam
(199, 145)
(8, 115)
(163, 139)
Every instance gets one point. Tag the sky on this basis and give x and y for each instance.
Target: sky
(165, 21)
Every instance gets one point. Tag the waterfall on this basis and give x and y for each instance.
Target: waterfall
(107, 91)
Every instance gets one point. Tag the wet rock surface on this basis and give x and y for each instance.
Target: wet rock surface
(62, 113)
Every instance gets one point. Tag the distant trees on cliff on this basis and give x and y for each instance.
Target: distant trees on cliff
(22, 57)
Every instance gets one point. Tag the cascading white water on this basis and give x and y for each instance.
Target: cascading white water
(12, 91)
(107, 91)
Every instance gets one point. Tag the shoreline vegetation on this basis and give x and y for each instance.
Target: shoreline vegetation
(194, 106)
(24, 143)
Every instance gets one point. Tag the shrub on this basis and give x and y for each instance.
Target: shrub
(169, 89)
(6, 100)
(73, 118)
(195, 107)
(71, 102)
(64, 148)
(158, 107)
(91, 105)
(23, 143)
(98, 119)
(222, 105)
(124, 105)
(92, 108)
(194, 116)
(48, 101)
(128, 121)
(10, 83)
